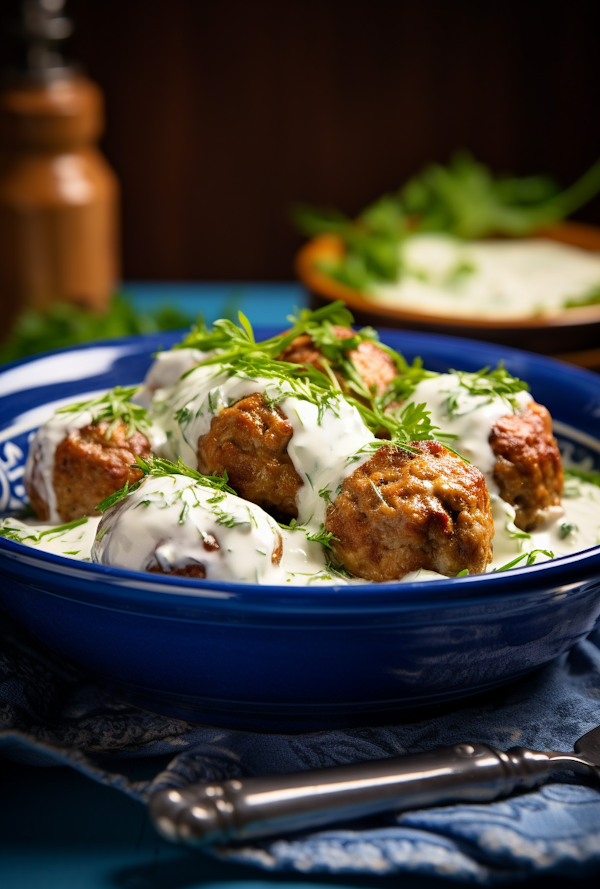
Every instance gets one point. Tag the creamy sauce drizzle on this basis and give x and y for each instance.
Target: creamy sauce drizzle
(447, 276)
(324, 442)
(471, 420)
(139, 528)
(170, 519)
(39, 467)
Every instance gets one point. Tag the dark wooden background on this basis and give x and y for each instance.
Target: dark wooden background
(222, 113)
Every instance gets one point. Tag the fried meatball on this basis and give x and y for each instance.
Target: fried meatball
(400, 512)
(528, 468)
(89, 466)
(372, 363)
(249, 441)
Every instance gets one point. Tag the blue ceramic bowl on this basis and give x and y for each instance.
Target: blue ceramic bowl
(275, 658)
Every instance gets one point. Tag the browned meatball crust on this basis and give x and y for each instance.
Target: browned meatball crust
(373, 364)
(528, 468)
(89, 466)
(249, 441)
(399, 512)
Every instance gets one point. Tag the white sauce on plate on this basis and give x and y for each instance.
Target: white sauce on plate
(491, 279)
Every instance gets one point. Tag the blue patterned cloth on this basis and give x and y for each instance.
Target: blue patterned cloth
(51, 714)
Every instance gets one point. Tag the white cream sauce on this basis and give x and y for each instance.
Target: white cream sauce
(135, 530)
(74, 542)
(324, 443)
(471, 420)
(166, 370)
(39, 466)
(512, 278)
(172, 516)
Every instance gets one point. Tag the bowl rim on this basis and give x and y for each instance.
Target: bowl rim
(329, 246)
(278, 597)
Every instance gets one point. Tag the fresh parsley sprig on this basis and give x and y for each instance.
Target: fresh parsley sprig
(114, 406)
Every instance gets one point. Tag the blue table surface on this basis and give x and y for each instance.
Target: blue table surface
(263, 303)
(60, 829)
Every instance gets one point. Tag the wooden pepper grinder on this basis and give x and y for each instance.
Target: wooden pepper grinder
(58, 196)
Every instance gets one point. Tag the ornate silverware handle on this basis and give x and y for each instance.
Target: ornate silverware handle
(254, 807)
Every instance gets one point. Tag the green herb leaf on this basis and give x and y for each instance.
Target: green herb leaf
(489, 384)
(567, 528)
(158, 467)
(115, 406)
(462, 198)
(119, 495)
(65, 324)
(592, 298)
(528, 558)
(585, 475)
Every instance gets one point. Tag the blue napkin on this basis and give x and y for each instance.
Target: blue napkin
(51, 714)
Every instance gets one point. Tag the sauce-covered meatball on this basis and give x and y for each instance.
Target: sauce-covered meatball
(372, 363)
(88, 465)
(177, 526)
(249, 441)
(528, 468)
(401, 512)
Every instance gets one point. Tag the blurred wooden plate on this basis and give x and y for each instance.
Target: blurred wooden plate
(570, 334)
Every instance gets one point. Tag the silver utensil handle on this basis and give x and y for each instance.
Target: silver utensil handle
(253, 807)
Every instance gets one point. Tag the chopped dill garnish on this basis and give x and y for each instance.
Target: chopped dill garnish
(16, 534)
(529, 559)
(119, 495)
(237, 353)
(325, 494)
(404, 384)
(321, 536)
(338, 570)
(114, 406)
(20, 534)
(159, 468)
(228, 520)
(408, 423)
(490, 384)
(585, 475)
(515, 533)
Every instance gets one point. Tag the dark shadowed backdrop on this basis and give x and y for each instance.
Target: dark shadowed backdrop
(221, 113)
